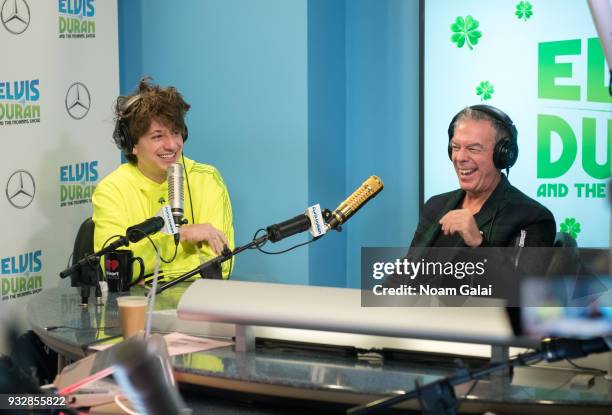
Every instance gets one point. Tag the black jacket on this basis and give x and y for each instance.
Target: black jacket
(504, 215)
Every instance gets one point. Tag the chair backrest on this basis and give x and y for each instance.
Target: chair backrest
(565, 261)
(564, 240)
(84, 245)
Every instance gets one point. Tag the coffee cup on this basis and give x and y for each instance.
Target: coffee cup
(119, 270)
(132, 314)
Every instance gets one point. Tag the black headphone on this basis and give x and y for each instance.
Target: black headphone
(506, 149)
(121, 135)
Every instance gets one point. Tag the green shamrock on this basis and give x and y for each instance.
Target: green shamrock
(485, 90)
(524, 10)
(571, 227)
(464, 31)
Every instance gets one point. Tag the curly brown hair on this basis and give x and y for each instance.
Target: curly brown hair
(134, 114)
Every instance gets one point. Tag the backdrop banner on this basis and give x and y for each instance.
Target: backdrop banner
(58, 79)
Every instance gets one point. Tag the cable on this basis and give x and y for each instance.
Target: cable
(51, 328)
(109, 239)
(587, 369)
(122, 406)
(156, 249)
(471, 389)
(188, 190)
(258, 247)
(229, 273)
(192, 214)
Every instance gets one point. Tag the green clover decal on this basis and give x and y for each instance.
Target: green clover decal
(571, 227)
(464, 31)
(524, 10)
(485, 90)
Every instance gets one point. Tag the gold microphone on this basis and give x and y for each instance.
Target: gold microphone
(370, 188)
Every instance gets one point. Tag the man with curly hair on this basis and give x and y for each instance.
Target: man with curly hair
(150, 131)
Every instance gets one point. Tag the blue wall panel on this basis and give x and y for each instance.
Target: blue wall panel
(326, 132)
(296, 102)
(382, 122)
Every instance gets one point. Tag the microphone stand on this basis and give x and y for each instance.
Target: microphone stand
(438, 397)
(80, 265)
(224, 256)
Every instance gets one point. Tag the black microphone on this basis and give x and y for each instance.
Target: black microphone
(370, 188)
(556, 349)
(175, 195)
(311, 220)
(137, 232)
(298, 224)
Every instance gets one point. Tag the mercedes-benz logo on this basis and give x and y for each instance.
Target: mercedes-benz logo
(20, 189)
(78, 100)
(15, 16)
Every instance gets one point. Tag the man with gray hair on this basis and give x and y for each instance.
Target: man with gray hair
(486, 210)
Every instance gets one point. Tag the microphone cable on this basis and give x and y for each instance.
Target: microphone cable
(157, 251)
(152, 243)
(188, 188)
(258, 246)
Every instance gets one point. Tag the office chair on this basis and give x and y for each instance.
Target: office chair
(564, 240)
(90, 274)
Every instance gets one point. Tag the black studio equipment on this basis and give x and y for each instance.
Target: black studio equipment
(142, 230)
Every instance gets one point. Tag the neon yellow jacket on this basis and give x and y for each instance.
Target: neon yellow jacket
(126, 197)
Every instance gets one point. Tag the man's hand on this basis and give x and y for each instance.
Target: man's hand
(204, 232)
(462, 221)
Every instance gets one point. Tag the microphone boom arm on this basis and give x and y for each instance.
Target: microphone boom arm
(224, 256)
(123, 241)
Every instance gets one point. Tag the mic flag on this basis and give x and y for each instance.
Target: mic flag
(170, 226)
(317, 223)
(370, 188)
